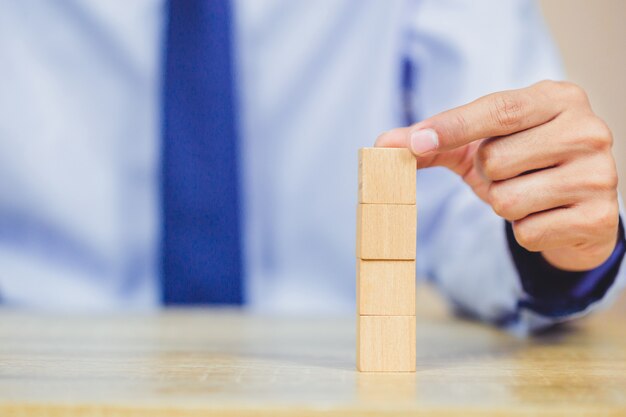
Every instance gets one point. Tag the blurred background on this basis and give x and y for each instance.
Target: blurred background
(592, 39)
(98, 234)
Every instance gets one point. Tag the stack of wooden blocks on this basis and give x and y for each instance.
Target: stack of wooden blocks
(386, 235)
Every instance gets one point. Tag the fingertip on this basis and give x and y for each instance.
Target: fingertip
(380, 140)
(394, 138)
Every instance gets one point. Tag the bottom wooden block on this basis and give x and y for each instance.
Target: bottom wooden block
(385, 343)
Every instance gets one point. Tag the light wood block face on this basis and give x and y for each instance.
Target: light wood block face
(386, 343)
(386, 231)
(386, 175)
(385, 288)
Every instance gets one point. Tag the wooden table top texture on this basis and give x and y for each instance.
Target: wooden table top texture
(209, 362)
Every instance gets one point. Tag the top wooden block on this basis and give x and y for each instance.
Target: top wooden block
(386, 176)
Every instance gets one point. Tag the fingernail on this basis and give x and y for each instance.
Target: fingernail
(423, 141)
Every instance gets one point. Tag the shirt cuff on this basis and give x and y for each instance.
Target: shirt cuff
(552, 292)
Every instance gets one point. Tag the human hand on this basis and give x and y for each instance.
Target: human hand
(540, 157)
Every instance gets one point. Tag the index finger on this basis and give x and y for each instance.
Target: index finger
(496, 114)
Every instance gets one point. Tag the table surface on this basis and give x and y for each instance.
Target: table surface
(231, 363)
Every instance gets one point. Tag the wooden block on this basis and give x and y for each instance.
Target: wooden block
(386, 176)
(386, 231)
(386, 343)
(385, 288)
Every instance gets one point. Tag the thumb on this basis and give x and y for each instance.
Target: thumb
(457, 160)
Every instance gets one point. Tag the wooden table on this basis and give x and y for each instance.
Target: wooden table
(229, 363)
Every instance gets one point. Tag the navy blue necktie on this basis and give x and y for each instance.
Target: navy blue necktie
(201, 259)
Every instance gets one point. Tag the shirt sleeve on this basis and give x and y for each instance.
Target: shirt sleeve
(551, 292)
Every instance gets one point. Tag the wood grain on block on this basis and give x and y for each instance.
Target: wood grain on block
(385, 288)
(386, 343)
(386, 231)
(386, 175)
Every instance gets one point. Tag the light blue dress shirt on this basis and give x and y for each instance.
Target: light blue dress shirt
(80, 146)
